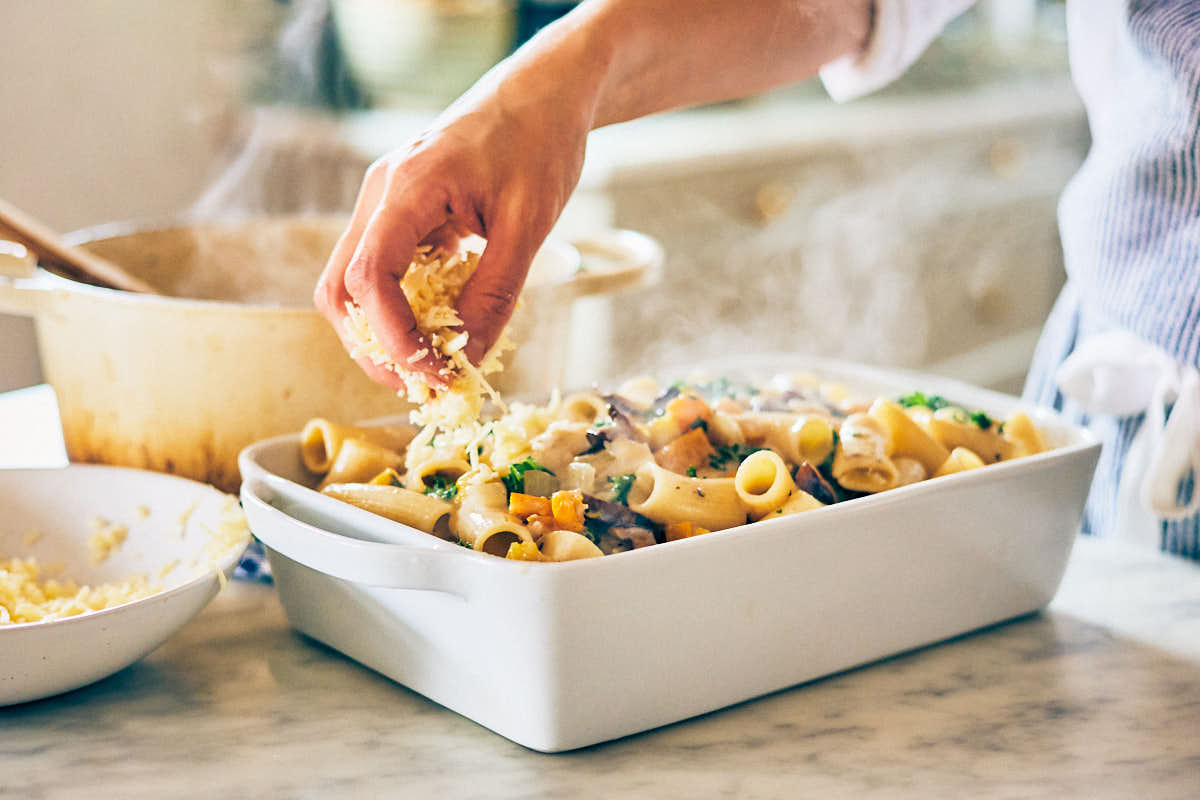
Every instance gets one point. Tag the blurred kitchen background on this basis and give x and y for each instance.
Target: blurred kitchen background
(914, 227)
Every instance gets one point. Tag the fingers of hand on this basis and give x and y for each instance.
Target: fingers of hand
(488, 299)
(373, 281)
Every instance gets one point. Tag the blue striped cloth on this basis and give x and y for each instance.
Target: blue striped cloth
(1130, 219)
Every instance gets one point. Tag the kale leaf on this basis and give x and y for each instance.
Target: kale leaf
(441, 487)
(515, 479)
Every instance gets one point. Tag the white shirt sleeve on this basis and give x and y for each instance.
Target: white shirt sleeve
(900, 32)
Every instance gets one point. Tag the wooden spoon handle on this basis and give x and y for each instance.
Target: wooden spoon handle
(48, 247)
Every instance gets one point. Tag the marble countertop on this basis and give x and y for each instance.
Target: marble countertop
(1097, 697)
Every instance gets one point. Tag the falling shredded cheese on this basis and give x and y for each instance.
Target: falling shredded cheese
(432, 285)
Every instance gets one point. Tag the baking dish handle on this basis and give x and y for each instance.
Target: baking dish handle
(347, 557)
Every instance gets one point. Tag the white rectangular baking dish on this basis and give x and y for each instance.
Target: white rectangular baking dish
(564, 655)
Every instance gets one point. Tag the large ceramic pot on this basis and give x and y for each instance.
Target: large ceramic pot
(233, 351)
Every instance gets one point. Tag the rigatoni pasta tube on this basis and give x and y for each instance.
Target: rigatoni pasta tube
(584, 407)
(908, 438)
(488, 496)
(909, 470)
(488, 531)
(421, 511)
(723, 429)
(799, 500)
(568, 546)
(482, 519)
(988, 444)
(666, 497)
(961, 459)
(451, 469)
(321, 439)
(358, 461)
(861, 460)
(762, 482)
(797, 437)
(813, 438)
(1025, 439)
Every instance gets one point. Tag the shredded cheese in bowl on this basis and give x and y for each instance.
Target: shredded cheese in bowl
(29, 593)
(26, 597)
(432, 285)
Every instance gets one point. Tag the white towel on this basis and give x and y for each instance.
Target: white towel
(1118, 374)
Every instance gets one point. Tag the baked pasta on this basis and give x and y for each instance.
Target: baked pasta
(592, 474)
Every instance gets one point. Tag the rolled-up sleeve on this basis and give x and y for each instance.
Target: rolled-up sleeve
(900, 32)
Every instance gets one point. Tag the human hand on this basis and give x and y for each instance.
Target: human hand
(499, 163)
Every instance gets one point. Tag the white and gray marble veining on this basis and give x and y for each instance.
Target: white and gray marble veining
(1098, 697)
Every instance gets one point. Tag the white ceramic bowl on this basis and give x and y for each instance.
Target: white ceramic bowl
(47, 515)
(559, 656)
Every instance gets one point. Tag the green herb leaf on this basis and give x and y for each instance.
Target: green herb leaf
(827, 464)
(691, 472)
(621, 486)
(727, 454)
(441, 487)
(933, 402)
(982, 420)
(515, 479)
(594, 529)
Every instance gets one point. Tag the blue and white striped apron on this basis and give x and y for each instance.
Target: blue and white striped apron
(1130, 220)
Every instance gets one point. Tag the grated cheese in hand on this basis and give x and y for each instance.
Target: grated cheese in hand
(432, 285)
